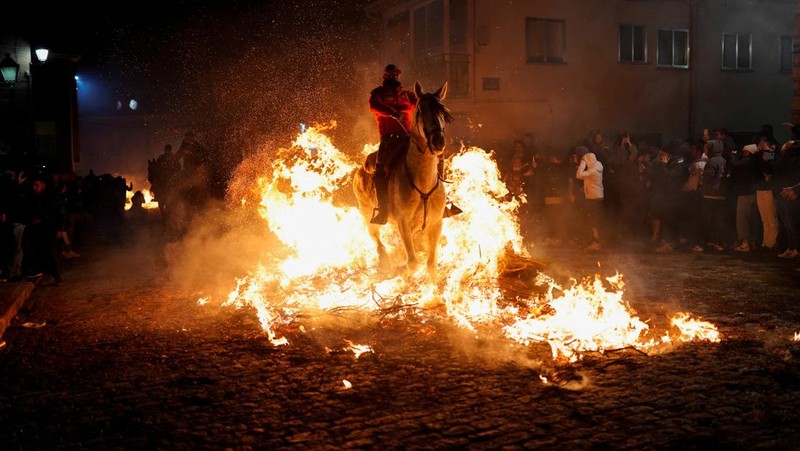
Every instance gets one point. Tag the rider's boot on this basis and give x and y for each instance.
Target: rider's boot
(381, 214)
(450, 209)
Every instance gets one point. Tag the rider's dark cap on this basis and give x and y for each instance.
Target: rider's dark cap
(392, 69)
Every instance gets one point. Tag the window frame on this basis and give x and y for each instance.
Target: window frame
(687, 48)
(547, 59)
(633, 44)
(736, 68)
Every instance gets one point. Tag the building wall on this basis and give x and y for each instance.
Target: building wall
(560, 103)
(38, 115)
(743, 100)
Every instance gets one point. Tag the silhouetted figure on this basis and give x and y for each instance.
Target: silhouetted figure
(39, 240)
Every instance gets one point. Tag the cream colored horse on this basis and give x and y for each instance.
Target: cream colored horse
(416, 190)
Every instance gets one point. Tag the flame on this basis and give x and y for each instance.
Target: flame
(796, 336)
(347, 384)
(357, 349)
(329, 261)
(149, 202)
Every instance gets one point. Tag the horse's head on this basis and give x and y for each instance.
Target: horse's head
(433, 115)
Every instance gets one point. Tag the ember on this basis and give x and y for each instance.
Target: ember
(330, 262)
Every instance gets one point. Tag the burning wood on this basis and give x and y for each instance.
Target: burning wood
(328, 262)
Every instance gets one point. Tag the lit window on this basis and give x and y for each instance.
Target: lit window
(545, 40)
(632, 47)
(736, 51)
(673, 48)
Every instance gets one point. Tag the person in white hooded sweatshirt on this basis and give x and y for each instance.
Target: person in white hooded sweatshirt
(591, 172)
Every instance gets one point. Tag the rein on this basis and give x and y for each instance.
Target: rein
(424, 196)
(421, 150)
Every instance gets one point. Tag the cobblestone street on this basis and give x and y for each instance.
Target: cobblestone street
(126, 358)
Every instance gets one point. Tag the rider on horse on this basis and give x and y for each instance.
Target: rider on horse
(393, 108)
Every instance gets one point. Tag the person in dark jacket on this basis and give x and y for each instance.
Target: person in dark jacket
(714, 189)
(744, 179)
(785, 183)
(40, 215)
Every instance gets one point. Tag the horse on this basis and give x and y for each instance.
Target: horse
(416, 190)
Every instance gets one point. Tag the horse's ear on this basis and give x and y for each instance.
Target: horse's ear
(442, 92)
(418, 89)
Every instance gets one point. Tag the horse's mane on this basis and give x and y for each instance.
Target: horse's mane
(437, 107)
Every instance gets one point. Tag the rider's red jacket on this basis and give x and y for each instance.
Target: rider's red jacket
(385, 102)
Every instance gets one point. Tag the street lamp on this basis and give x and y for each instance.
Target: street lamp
(9, 69)
(41, 54)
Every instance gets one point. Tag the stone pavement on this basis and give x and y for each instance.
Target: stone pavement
(12, 296)
(127, 359)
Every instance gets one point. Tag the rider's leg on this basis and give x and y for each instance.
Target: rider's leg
(381, 180)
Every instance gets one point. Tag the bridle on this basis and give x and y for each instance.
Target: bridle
(427, 133)
(438, 127)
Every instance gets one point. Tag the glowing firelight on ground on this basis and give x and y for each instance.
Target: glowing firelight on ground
(332, 262)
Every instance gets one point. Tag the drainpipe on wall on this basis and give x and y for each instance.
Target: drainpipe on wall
(692, 69)
(795, 109)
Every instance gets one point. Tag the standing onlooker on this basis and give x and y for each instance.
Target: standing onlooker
(590, 170)
(729, 147)
(555, 176)
(693, 196)
(714, 194)
(745, 176)
(616, 184)
(39, 241)
(665, 187)
(765, 199)
(785, 177)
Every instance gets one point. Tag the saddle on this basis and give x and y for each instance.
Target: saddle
(395, 153)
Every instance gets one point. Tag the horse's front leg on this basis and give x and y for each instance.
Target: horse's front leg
(433, 234)
(383, 256)
(407, 237)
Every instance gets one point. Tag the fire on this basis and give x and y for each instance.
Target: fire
(149, 202)
(329, 261)
(357, 350)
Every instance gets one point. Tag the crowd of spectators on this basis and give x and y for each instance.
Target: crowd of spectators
(713, 193)
(45, 216)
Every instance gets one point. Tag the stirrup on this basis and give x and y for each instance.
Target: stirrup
(379, 216)
(451, 210)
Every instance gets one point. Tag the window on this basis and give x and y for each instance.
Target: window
(440, 43)
(545, 40)
(736, 51)
(429, 29)
(787, 44)
(632, 44)
(458, 25)
(673, 48)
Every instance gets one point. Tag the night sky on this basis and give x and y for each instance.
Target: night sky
(163, 53)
